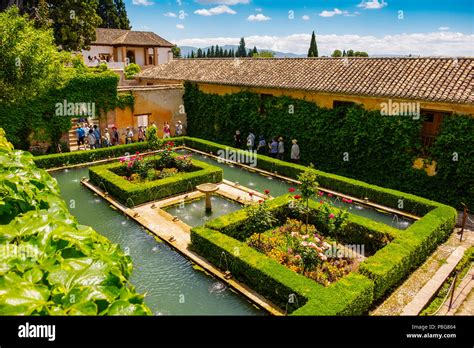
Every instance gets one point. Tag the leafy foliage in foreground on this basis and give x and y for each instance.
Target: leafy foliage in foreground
(49, 264)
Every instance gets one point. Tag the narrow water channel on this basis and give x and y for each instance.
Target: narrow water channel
(172, 285)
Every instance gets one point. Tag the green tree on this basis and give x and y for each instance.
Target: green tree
(113, 14)
(211, 52)
(208, 53)
(350, 53)
(199, 53)
(176, 52)
(264, 54)
(131, 70)
(309, 186)
(192, 54)
(254, 51)
(30, 61)
(336, 53)
(241, 50)
(221, 52)
(360, 54)
(344, 54)
(313, 47)
(74, 23)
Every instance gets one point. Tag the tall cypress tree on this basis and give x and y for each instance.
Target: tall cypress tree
(123, 22)
(241, 51)
(211, 53)
(199, 53)
(313, 47)
(113, 14)
(254, 51)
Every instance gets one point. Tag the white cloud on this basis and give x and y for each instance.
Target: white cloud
(425, 44)
(372, 4)
(258, 18)
(215, 11)
(170, 14)
(222, 2)
(142, 2)
(258, 9)
(305, 18)
(443, 28)
(179, 26)
(331, 13)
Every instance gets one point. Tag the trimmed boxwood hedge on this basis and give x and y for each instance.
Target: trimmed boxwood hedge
(78, 157)
(124, 190)
(379, 273)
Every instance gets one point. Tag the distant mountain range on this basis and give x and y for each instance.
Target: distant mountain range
(187, 49)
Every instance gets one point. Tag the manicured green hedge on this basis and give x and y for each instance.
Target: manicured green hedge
(77, 157)
(381, 149)
(127, 192)
(266, 276)
(388, 197)
(390, 265)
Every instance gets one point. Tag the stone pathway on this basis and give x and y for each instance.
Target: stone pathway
(406, 292)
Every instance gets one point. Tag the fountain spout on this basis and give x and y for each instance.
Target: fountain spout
(208, 189)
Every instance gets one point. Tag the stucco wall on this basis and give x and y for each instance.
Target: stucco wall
(162, 104)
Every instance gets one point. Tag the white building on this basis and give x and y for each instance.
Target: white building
(118, 47)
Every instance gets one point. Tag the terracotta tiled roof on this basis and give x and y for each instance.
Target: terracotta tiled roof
(129, 37)
(430, 79)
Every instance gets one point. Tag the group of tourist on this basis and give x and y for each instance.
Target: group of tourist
(90, 136)
(275, 147)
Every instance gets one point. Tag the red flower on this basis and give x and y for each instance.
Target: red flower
(137, 152)
(329, 194)
(321, 193)
(267, 192)
(291, 189)
(251, 194)
(297, 197)
(321, 202)
(331, 216)
(260, 201)
(349, 201)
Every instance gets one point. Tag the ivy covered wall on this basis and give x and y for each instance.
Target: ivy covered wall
(355, 142)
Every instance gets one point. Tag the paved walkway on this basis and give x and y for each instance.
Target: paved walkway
(407, 292)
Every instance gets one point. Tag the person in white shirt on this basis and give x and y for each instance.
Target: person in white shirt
(295, 151)
(128, 136)
(250, 141)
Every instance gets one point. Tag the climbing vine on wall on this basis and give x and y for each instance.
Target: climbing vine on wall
(354, 142)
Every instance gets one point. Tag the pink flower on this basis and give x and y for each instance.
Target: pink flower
(306, 236)
(349, 201)
(294, 234)
(136, 153)
(331, 216)
(298, 257)
(267, 192)
(122, 159)
(322, 256)
(321, 193)
(297, 197)
(291, 189)
(290, 250)
(329, 194)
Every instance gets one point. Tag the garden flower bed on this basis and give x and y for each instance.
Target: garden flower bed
(135, 180)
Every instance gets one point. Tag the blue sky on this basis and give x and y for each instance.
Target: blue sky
(424, 27)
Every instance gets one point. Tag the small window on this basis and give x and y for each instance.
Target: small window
(263, 99)
(342, 104)
(142, 120)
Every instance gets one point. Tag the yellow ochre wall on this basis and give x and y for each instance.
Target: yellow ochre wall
(326, 99)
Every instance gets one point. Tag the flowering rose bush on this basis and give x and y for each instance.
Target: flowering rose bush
(302, 252)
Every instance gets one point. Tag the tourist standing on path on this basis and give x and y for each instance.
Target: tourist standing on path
(141, 134)
(281, 149)
(81, 134)
(273, 148)
(97, 136)
(115, 136)
(295, 151)
(128, 136)
(262, 144)
(91, 139)
(179, 129)
(106, 138)
(250, 141)
(237, 139)
(166, 131)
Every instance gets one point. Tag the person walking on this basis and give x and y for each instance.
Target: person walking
(281, 149)
(273, 148)
(237, 139)
(98, 138)
(179, 129)
(128, 136)
(262, 144)
(81, 134)
(141, 134)
(250, 141)
(295, 151)
(166, 131)
(106, 138)
(115, 136)
(91, 139)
